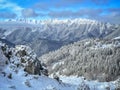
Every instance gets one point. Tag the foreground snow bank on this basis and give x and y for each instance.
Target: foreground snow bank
(93, 85)
(32, 83)
(35, 82)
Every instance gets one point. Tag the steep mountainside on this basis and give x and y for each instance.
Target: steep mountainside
(62, 31)
(92, 58)
(20, 69)
(43, 46)
(116, 33)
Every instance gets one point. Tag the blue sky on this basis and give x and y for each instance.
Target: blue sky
(103, 10)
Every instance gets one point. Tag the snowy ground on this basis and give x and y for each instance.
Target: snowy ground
(94, 85)
(20, 81)
(34, 82)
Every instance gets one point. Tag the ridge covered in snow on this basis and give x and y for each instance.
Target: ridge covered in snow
(57, 21)
(48, 33)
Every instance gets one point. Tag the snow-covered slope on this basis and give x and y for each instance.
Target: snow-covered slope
(92, 58)
(18, 72)
(20, 69)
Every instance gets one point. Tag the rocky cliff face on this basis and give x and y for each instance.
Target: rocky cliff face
(3, 60)
(21, 57)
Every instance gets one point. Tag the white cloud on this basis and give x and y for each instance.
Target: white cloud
(5, 4)
(29, 13)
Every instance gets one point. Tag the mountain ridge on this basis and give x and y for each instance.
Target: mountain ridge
(63, 31)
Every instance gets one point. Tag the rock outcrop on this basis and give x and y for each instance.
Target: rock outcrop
(21, 57)
(3, 60)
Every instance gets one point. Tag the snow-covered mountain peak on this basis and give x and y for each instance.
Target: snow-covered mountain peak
(54, 21)
(79, 20)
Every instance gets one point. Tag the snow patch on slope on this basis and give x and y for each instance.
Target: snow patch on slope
(94, 85)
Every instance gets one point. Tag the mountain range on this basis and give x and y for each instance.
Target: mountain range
(49, 35)
(72, 54)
